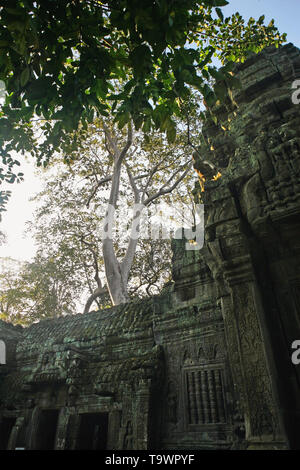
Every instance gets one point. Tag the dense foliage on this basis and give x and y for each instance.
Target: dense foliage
(61, 62)
(43, 288)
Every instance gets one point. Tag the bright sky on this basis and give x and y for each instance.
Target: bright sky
(19, 210)
(286, 14)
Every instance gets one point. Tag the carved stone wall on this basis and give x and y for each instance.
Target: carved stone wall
(104, 363)
(253, 243)
(208, 364)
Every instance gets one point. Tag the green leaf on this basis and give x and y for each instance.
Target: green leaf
(25, 75)
(50, 55)
(140, 58)
(217, 3)
(171, 134)
(15, 11)
(147, 125)
(214, 118)
(40, 88)
(220, 90)
(209, 96)
(220, 14)
(216, 74)
(122, 119)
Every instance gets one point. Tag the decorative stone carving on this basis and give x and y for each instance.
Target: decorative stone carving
(207, 364)
(260, 183)
(128, 438)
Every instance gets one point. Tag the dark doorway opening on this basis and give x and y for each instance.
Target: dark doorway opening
(92, 433)
(46, 431)
(6, 426)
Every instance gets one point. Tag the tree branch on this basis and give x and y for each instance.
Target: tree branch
(112, 146)
(151, 174)
(127, 145)
(163, 190)
(93, 193)
(93, 297)
(135, 189)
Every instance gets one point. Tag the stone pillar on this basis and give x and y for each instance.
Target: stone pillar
(246, 336)
(142, 415)
(114, 427)
(32, 429)
(15, 433)
(62, 427)
(246, 344)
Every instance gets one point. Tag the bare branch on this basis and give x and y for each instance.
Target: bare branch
(97, 293)
(135, 189)
(93, 193)
(163, 190)
(152, 172)
(110, 144)
(127, 145)
(94, 253)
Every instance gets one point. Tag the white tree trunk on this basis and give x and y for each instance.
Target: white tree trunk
(116, 281)
(117, 285)
(117, 274)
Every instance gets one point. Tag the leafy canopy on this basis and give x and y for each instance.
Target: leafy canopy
(73, 204)
(65, 62)
(42, 288)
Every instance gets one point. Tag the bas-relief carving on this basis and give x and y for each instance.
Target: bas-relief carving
(262, 416)
(172, 404)
(261, 181)
(128, 438)
(212, 367)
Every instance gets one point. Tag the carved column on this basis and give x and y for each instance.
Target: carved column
(192, 398)
(219, 396)
(62, 426)
(212, 396)
(14, 435)
(204, 397)
(247, 341)
(198, 398)
(114, 426)
(142, 416)
(32, 429)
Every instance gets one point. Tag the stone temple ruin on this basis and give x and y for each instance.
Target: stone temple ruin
(207, 365)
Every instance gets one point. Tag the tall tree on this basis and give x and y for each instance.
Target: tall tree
(113, 170)
(117, 272)
(43, 288)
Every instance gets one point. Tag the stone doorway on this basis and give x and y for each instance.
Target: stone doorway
(92, 433)
(6, 426)
(46, 431)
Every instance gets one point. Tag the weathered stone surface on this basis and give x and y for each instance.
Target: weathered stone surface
(256, 250)
(207, 365)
